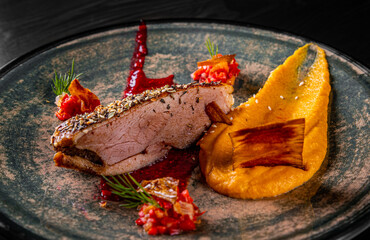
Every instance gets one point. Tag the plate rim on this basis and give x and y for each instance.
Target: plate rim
(10, 65)
(348, 229)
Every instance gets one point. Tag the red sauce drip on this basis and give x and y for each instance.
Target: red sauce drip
(137, 82)
(178, 164)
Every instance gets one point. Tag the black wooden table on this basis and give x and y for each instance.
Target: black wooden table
(27, 25)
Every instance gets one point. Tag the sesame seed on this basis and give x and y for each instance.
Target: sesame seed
(247, 105)
(256, 101)
(301, 83)
(281, 97)
(296, 97)
(231, 118)
(212, 131)
(254, 95)
(269, 108)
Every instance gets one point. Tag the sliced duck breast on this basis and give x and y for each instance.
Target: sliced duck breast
(136, 131)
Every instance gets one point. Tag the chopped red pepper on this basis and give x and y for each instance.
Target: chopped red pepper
(80, 101)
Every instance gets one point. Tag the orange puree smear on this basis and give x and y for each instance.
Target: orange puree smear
(286, 96)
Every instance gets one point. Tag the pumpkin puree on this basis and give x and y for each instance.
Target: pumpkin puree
(284, 97)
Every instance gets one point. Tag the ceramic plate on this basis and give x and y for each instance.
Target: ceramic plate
(50, 202)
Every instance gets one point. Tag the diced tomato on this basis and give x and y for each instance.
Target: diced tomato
(161, 229)
(159, 213)
(69, 107)
(186, 224)
(140, 221)
(152, 220)
(141, 213)
(151, 213)
(170, 222)
(153, 231)
(171, 219)
(167, 205)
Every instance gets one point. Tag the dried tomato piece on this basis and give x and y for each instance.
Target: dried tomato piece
(89, 101)
(69, 107)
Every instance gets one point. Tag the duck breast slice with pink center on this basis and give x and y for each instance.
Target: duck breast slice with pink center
(129, 134)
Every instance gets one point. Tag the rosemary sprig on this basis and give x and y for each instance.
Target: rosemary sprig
(133, 198)
(61, 83)
(211, 47)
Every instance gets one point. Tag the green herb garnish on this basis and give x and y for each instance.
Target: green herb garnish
(61, 83)
(211, 48)
(133, 198)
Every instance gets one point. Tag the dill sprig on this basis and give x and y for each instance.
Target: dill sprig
(62, 82)
(133, 198)
(212, 49)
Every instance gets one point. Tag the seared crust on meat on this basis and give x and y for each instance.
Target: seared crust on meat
(62, 134)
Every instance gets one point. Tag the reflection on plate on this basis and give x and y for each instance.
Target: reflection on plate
(53, 202)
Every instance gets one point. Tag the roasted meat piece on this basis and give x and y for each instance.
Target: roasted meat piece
(134, 132)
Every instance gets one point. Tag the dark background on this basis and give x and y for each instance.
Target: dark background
(26, 25)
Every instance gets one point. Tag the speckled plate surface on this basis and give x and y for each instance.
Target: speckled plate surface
(52, 203)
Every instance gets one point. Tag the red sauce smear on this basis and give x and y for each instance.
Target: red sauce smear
(137, 82)
(178, 164)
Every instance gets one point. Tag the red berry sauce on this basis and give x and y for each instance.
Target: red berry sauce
(137, 82)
